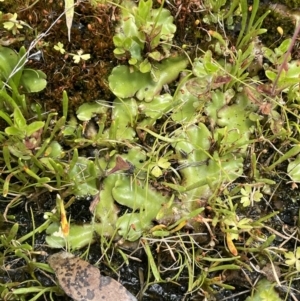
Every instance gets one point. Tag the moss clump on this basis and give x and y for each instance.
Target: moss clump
(276, 18)
(289, 3)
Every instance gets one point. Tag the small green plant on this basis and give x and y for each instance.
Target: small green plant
(144, 34)
(33, 154)
(287, 81)
(293, 261)
(12, 24)
(264, 291)
(16, 79)
(76, 57)
(250, 195)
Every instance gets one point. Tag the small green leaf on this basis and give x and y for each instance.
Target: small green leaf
(271, 75)
(290, 258)
(60, 47)
(156, 171)
(8, 60)
(245, 201)
(34, 127)
(13, 24)
(119, 51)
(54, 150)
(294, 170)
(156, 55)
(87, 110)
(163, 163)
(133, 61)
(80, 56)
(257, 196)
(19, 119)
(33, 80)
(145, 66)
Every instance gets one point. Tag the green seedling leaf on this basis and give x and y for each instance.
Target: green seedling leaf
(162, 73)
(250, 195)
(156, 171)
(79, 236)
(14, 131)
(6, 117)
(43, 181)
(137, 196)
(143, 12)
(271, 75)
(269, 54)
(12, 233)
(163, 163)
(156, 55)
(293, 258)
(65, 103)
(131, 226)
(34, 127)
(294, 151)
(134, 61)
(5, 188)
(151, 261)
(60, 47)
(118, 42)
(125, 83)
(161, 233)
(88, 110)
(145, 66)
(19, 120)
(157, 167)
(31, 172)
(283, 47)
(6, 157)
(80, 56)
(8, 60)
(54, 150)
(157, 107)
(33, 80)
(245, 200)
(106, 211)
(165, 22)
(20, 151)
(123, 115)
(264, 291)
(83, 182)
(13, 24)
(294, 170)
(53, 166)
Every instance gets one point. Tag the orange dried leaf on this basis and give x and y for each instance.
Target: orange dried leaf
(63, 218)
(231, 245)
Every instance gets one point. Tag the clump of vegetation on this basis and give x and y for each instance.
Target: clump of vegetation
(184, 156)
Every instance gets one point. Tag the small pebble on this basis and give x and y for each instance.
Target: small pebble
(83, 281)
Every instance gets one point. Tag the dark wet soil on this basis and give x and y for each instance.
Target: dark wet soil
(132, 275)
